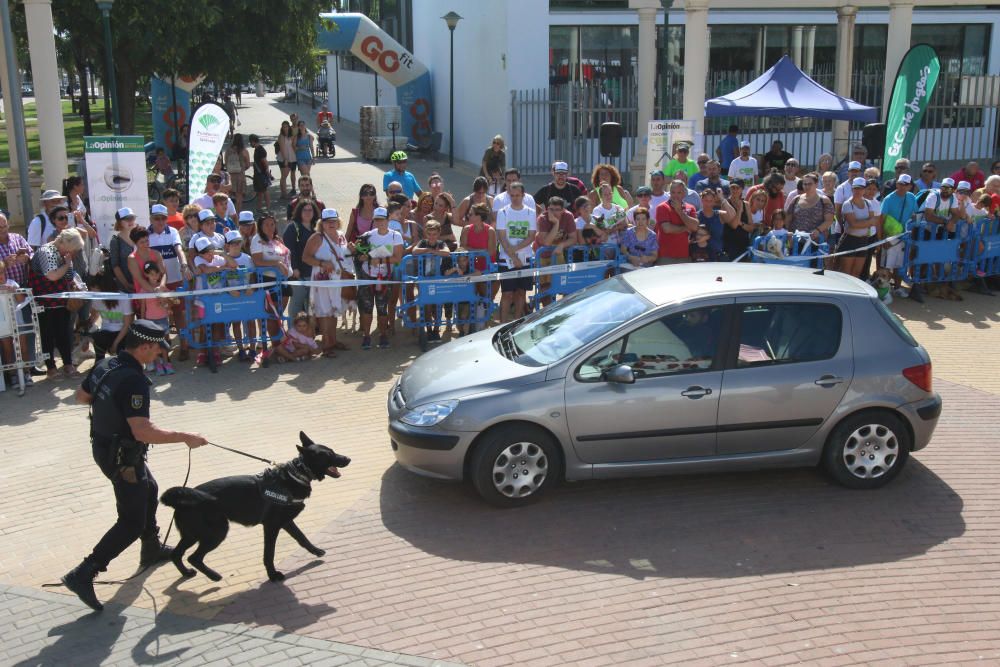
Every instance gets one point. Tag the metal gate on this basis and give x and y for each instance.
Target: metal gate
(562, 122)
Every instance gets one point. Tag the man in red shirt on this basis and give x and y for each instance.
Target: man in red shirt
(324, 114)
(774, 186)
(556, 227)
(971, 173)
(675, 220)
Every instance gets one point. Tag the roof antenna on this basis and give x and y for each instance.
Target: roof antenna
(820, 272)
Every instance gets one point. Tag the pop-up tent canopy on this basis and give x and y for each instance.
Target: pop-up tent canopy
(785, 90)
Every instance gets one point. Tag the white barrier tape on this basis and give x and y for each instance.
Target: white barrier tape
(332, 283)
(810, 258)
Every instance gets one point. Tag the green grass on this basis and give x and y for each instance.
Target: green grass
(73, 127)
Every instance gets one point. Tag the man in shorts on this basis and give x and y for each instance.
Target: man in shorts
(516, 227)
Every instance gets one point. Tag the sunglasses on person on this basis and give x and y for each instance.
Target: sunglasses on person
(62, 217)
(395, 192)
(702, 162)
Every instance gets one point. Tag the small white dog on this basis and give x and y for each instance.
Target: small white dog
(351, 315)
(775, 246)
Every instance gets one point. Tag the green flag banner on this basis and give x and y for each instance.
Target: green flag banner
(918, 74)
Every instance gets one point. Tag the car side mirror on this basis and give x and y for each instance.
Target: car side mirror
(620, 374)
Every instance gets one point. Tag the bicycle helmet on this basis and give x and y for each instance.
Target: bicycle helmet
(397, 156)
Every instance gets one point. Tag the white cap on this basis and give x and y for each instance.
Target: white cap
(744, 144)
(246, 216)
(380, 213)
(904, 179)
(232, 236)
(560, 166)
(125, 213)
(205, 213)
(854, 165)
(202, 244)
(859, 183)
(329, 214)
(947, 182)
(963, 185)
(158, 209)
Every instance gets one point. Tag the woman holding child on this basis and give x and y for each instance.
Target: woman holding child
(327, 252)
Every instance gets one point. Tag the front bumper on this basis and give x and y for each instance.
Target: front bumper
(430, 452)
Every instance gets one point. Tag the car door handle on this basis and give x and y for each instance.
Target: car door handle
(696, 392)
(828, 381)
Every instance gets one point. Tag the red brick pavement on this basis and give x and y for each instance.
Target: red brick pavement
(774, 567)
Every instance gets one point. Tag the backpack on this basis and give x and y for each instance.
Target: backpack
(922, 197)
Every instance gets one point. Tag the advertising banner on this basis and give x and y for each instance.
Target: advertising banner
(116, 178)
(209, 128)
(918, 74)
(390, 60)
(168, 119)
(663, 139)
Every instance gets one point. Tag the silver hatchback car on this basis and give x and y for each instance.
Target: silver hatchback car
(695, 368)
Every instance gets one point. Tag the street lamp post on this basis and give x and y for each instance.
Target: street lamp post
(452, 19)
(105, 7)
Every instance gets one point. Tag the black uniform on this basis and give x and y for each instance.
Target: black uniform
(120, 390)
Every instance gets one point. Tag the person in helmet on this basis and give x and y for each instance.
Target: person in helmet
(398, 173)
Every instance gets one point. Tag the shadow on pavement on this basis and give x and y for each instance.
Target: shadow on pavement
(93, 637)
(977, 310)
(695, 526)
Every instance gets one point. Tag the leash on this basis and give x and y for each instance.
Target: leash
(187, 476)
(241, 453)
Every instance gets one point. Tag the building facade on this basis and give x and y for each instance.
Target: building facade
(589, 53)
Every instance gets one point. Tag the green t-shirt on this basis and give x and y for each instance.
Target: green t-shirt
(691, 167)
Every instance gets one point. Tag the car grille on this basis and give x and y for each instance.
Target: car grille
(398, 400)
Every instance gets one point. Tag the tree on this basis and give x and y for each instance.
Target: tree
(226, 40)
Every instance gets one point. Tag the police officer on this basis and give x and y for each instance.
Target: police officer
(120, 431)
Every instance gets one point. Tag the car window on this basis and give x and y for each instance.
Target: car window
(781, 333)
(683, 342)
(551, 334)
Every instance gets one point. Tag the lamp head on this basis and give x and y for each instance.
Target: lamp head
(452, 19)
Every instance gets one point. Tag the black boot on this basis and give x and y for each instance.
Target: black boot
(80, 580)
(153, 552)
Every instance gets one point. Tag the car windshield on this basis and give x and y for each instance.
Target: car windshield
(553, 333)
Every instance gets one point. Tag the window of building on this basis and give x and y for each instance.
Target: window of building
(592, 53)
(393, 16)
(588, 4)
(963, 49)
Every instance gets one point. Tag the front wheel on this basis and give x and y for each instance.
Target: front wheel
(867, 451)
(513, 465)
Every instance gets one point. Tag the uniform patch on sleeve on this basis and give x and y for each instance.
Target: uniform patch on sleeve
(137, 400)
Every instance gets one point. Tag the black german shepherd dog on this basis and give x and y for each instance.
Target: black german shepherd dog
(273, 498)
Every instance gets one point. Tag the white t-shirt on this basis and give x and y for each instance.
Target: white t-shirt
(843, 192)
(519, 225)
(657, 200)
(205, 201)
(210, 280)
(274, 251)
(245, 267)
(382, 246)
(40, 229)
(166, 243)
(745, 169)
(791, 185)
(113, 317)
(502, 201)
(218, 240)
(940, 207)
(871, 210)
(580, 223)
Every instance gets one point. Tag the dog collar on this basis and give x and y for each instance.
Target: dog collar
(298, 471)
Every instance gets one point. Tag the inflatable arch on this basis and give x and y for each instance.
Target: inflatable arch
(376, 48)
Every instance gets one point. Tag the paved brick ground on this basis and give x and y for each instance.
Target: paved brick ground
(768, 568)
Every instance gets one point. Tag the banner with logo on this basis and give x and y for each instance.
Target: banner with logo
(168, 119)
(663, 139)
(116, 178)
(918, 74)
(390, 60)
(209, 128)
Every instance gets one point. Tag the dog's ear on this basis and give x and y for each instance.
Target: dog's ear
(304, 439)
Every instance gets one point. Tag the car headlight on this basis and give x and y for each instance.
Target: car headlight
(430, 414)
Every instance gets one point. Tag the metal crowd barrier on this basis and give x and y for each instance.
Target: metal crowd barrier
(547, 288)
(932, 254)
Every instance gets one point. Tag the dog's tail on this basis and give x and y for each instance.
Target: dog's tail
(181, 496)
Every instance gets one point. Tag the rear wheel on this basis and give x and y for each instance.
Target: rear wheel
(868, 450)
(513, 465)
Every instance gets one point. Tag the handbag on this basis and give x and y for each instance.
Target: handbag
(349, 293)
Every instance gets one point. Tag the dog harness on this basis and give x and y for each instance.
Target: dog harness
(274, 487)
